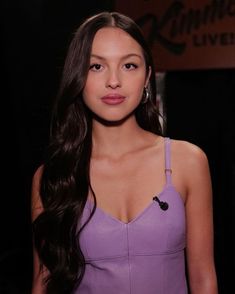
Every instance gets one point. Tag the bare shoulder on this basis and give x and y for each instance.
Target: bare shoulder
(188, 154)
(36, 204)
(190, 166)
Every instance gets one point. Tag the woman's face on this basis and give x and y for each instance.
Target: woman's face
(117, 75)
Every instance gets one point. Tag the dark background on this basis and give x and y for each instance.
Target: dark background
(199, 106)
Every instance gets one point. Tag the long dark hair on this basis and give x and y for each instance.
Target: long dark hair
(65, 180)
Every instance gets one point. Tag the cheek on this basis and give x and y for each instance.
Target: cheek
(137, 88)
(87, 98)
(88, 86)
(89, 91)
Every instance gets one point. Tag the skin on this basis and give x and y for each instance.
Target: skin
(115, 70)
(123, 185)
(36, 209)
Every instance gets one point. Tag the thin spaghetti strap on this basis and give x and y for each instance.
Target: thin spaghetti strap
(168, 170)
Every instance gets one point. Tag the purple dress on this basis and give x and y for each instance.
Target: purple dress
(145, 255)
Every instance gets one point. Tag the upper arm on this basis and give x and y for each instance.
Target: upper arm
(36, 209)
(199, 223)
(36, 204)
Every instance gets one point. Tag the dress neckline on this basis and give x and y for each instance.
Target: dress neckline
(139, 214)
(168, 183)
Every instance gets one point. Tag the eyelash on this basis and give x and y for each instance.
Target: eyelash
(132, 65)
(128, 66)
(93, 66)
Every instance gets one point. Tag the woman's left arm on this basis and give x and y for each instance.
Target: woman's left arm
(199, 225)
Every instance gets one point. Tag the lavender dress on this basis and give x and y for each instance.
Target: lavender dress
(144, 256)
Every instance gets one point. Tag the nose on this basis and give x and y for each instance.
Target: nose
(113, 79)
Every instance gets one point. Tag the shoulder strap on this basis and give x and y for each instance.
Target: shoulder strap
(168, 170)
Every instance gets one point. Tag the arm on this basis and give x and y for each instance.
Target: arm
(36, 209)
(199, 216)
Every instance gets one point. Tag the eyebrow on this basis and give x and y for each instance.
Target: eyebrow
(123, 57)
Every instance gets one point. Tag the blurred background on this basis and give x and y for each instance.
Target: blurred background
(194, 49)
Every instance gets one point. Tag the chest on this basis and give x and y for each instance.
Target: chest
(123, 189)
(152, 231)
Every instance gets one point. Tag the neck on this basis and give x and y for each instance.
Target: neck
(114, 140)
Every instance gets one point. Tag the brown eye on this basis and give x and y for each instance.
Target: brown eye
(130, 66)
(96, 67)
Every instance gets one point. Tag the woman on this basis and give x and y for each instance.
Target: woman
(116, 205)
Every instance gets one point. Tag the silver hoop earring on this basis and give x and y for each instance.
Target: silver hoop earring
(145, 96)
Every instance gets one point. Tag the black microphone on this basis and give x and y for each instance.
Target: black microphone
(163, 205)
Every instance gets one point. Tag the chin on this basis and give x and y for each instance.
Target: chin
(112, 121)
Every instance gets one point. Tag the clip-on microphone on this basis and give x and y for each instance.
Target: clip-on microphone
(163, 205)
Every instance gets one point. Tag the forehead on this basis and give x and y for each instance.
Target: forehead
(112, 39)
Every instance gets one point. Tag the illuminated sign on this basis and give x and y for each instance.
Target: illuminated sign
(197, 34)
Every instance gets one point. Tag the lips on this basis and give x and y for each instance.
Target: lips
(113, 99)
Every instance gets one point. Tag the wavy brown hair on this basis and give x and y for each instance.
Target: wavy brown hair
(65, 180)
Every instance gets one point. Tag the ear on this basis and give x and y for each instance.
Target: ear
(148, 76)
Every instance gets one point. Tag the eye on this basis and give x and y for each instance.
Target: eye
(96, 67)
(130, 66)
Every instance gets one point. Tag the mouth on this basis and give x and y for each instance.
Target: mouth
(113, 99)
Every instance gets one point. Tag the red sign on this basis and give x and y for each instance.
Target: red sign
(196, 34)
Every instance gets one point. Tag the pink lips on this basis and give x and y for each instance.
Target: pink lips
(113, 99)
